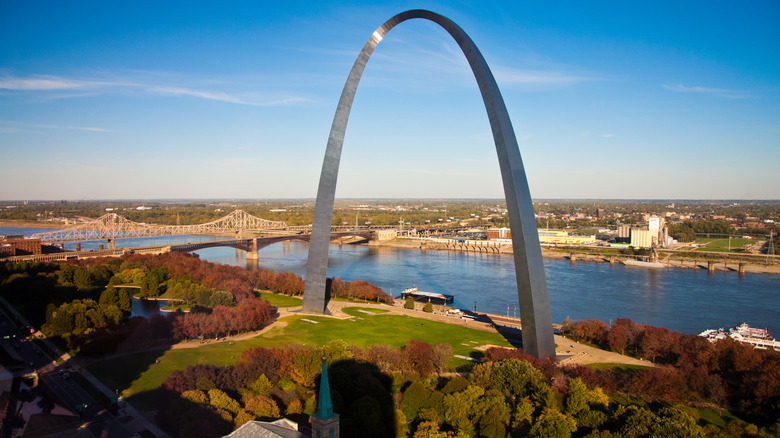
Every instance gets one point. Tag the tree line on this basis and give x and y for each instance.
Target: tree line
(385, 391)
(87, 303)
(727, 374)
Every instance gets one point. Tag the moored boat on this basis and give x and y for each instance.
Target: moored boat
(759, 338)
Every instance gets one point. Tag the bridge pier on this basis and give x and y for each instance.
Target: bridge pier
(254, 252)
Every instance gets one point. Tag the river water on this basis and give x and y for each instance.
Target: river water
(687, 300)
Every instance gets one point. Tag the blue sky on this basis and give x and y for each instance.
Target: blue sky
(148, 100)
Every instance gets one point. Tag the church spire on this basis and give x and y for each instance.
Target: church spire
(324, 404)
(324, 422)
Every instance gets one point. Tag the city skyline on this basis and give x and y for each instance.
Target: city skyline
(151, 101)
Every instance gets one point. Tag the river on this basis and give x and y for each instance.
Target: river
(686, 300)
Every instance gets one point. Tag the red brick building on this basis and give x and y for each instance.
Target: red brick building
(21, 246)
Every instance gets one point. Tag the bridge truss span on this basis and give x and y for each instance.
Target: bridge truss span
(113, 226)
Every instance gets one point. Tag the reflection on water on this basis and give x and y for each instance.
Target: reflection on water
(688, 300)
(146, 308)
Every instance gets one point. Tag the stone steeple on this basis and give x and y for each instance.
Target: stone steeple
(324, 422)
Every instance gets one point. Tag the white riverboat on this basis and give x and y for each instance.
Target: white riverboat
(759, 338)
(419, 295)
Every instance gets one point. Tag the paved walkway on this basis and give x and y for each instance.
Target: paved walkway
(568, 351)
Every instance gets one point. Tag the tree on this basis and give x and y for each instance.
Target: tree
(461, 408)
(221, 298)
(409, 302)
(116, 297)
(262, 406)
(515, 379)
(82, 279)
(220, 400)
(420, 357)
(553, 424)
(428, 307)
(577, 398)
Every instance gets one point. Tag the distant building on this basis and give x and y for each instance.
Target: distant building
(499, 233)
(656, 234)
(385, 234)
(18, 245)
(600, 213)
(644, 238)
(624, 231)
(562, 237)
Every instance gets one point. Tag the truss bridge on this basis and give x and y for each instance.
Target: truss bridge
(113, 226)
(250, 245)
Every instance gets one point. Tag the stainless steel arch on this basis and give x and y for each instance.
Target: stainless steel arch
(529, 269)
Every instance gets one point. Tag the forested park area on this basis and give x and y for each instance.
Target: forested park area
(386, 387)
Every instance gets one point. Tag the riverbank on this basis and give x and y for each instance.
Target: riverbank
(723, 265)
(30, 224)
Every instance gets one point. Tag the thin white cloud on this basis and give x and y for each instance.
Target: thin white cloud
(540, 77)
(88, 128)
(40, 83)
(13, 127)
(175, 91)
(445, 59)
(155, 83)
(722, 92)
(607, 135)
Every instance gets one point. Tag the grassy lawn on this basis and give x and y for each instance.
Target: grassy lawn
(137, 375)
(182, 307)
(363, 311)
(722, 244)
(277, 300)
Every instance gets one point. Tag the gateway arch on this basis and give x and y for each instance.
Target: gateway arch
(529, 269)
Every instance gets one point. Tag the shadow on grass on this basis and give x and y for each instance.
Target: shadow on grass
(512, 335)
(119, 372)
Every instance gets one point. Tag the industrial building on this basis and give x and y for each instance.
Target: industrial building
(546, 237)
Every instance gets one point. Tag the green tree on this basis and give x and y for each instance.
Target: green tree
(515, 379)
(577, 398)
(409, 302)
(116, 297)
(195, 396)
(428, 307)
(65, 274)
(462, 409)
(222, 298)
(553, 424)
(82, 279)
(220, 400)
(493, 414)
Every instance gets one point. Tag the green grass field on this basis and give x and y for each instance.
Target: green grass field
(722, 245)
(137, 376)
(277, 300)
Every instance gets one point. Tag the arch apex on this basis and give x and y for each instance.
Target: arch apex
(529, 268)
